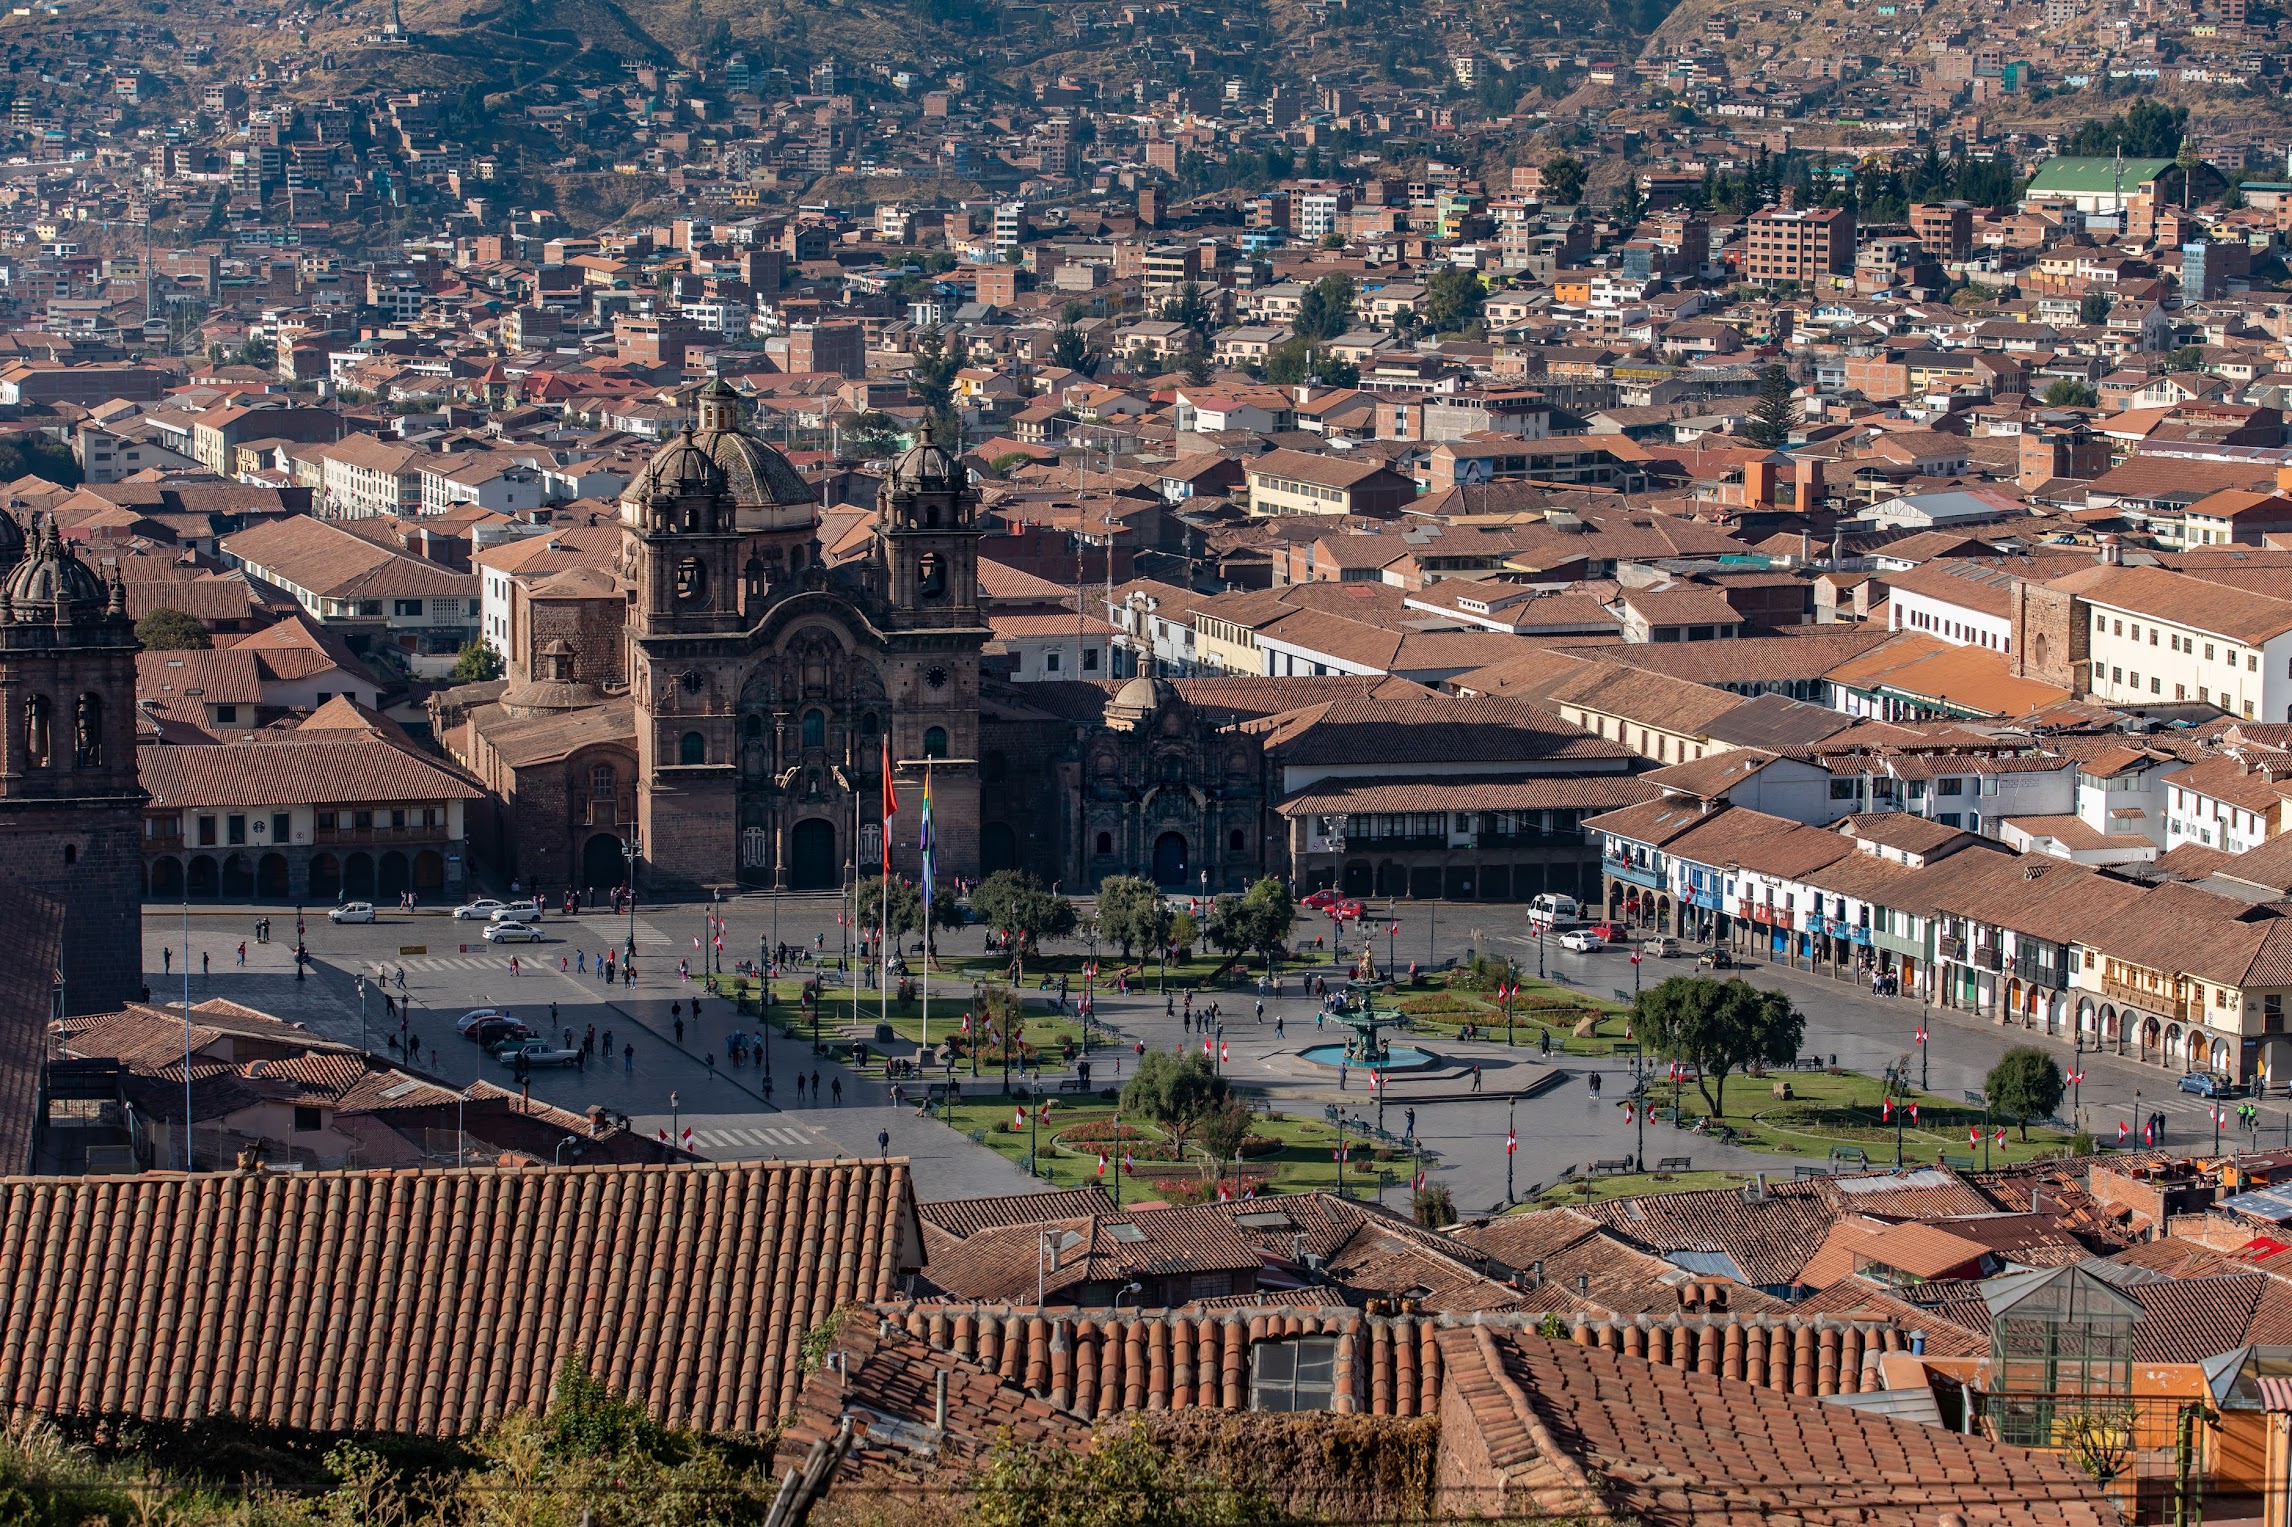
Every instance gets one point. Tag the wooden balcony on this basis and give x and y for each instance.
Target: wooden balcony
(2162, 1002)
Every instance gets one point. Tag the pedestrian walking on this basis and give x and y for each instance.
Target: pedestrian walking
(815, 1086)
(1341, 1069)
(1277, 1025)
(1409, 1127)
(608, 1044)
(514, 967)
(629, 1059)
(1476, 1076)
(799, 1089)
(242, 954)
(836, 1091)
(680, 1031)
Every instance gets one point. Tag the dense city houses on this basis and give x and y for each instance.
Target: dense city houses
(1804, 486)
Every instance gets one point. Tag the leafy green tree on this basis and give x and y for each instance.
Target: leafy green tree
(1452, 300)
(2145, 130)
(1226, 924)
(1191, 308)
(1125, 1480)
(2094, 307)
(872, 433)
(1432, 1206)
(1775, 413)
(2186, 358)
(1564, 180)
(170, 630)
(1183, 930)
(1326, 309)
(1132, 914)
(1194, 362)
(2068, 392)
(2025, 1084)
(1175, 1091)
(1221, 1132)
(905, 906)
(932, 375)
(1631, 203)
(1717, 1027)
(1269, 913)
(1068, 348)
(1014, 902)
(477, 664)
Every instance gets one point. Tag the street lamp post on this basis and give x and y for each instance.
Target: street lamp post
(1922, 1056)
(1510, 1139)
(630, 849)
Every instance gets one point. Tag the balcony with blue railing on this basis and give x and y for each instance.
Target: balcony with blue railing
(1651, 875)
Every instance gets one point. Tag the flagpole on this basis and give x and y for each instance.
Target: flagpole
(927, 854)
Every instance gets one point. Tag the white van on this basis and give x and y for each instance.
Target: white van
(1552, 910)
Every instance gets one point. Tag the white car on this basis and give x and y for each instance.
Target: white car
(511, 933)
(476, 1016)
(476, 911)
(1582, 941)
(518, 912)
(352, 912)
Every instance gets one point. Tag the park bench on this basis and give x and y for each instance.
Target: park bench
(1958, 1163)
(1803, 1170)
(1675, 1163)
(1073, 1084)
(1853, 1153)
(1611, 1166)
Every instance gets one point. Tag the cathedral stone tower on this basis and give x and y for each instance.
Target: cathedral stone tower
(71, 811)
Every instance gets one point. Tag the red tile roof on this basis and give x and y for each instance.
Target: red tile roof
(437, 1301)
(1555, 1429)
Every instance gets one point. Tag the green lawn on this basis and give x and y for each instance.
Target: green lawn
(1827, 1112)
(1301, 1162)
(1540, 1009)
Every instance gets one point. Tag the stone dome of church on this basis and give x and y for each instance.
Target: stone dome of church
(678, 468)
(927, 467)
(552, 688)
(1140, 701)
(756, 475)
(52, 584)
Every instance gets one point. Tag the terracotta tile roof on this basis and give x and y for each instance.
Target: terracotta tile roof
(1641, 697)
(35, 932)
(959, 1217)
(2182, 599)
(1099, 1363)
(2188, 1320)
(1919, 1250)
(1769, 1240)
(437, 1301)
(1473, 792)
(1566, 1430)
(1443, 730)
(297, 773)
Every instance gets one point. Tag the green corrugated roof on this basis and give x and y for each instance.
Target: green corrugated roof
(2073, 176)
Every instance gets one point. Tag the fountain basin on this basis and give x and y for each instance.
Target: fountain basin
(1398, 1058)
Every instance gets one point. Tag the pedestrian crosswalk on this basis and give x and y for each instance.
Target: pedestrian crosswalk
(767, 1139)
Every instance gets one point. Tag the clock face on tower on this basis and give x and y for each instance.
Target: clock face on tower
(935, 677)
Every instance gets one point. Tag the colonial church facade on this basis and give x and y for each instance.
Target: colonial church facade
(764, 685)
(71, 810)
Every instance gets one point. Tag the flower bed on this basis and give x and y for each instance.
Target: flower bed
(1096, 1135)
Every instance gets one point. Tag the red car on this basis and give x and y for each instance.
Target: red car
(1611, 932)
(1320, 901)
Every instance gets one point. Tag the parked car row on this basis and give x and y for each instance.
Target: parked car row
(514, 1044)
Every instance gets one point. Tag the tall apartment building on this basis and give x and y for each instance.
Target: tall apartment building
(1945, 229)
(1798, 244)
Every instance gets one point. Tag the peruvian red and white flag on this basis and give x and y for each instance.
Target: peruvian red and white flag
(1886, 1110)
(1913, 1113)
(664, 1134)
(2124, 1131)
(1102, 1163)
(688, 1137)
(1225, 1194)
(1973, 1134)
(1511, 1142)
(1205, 1044)
(1628, 1115)
(1019, 1117)
(1376, 1080)
(1998, 1136)
(1921, 1033)
(1225, 1052)
(1130, 1163)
